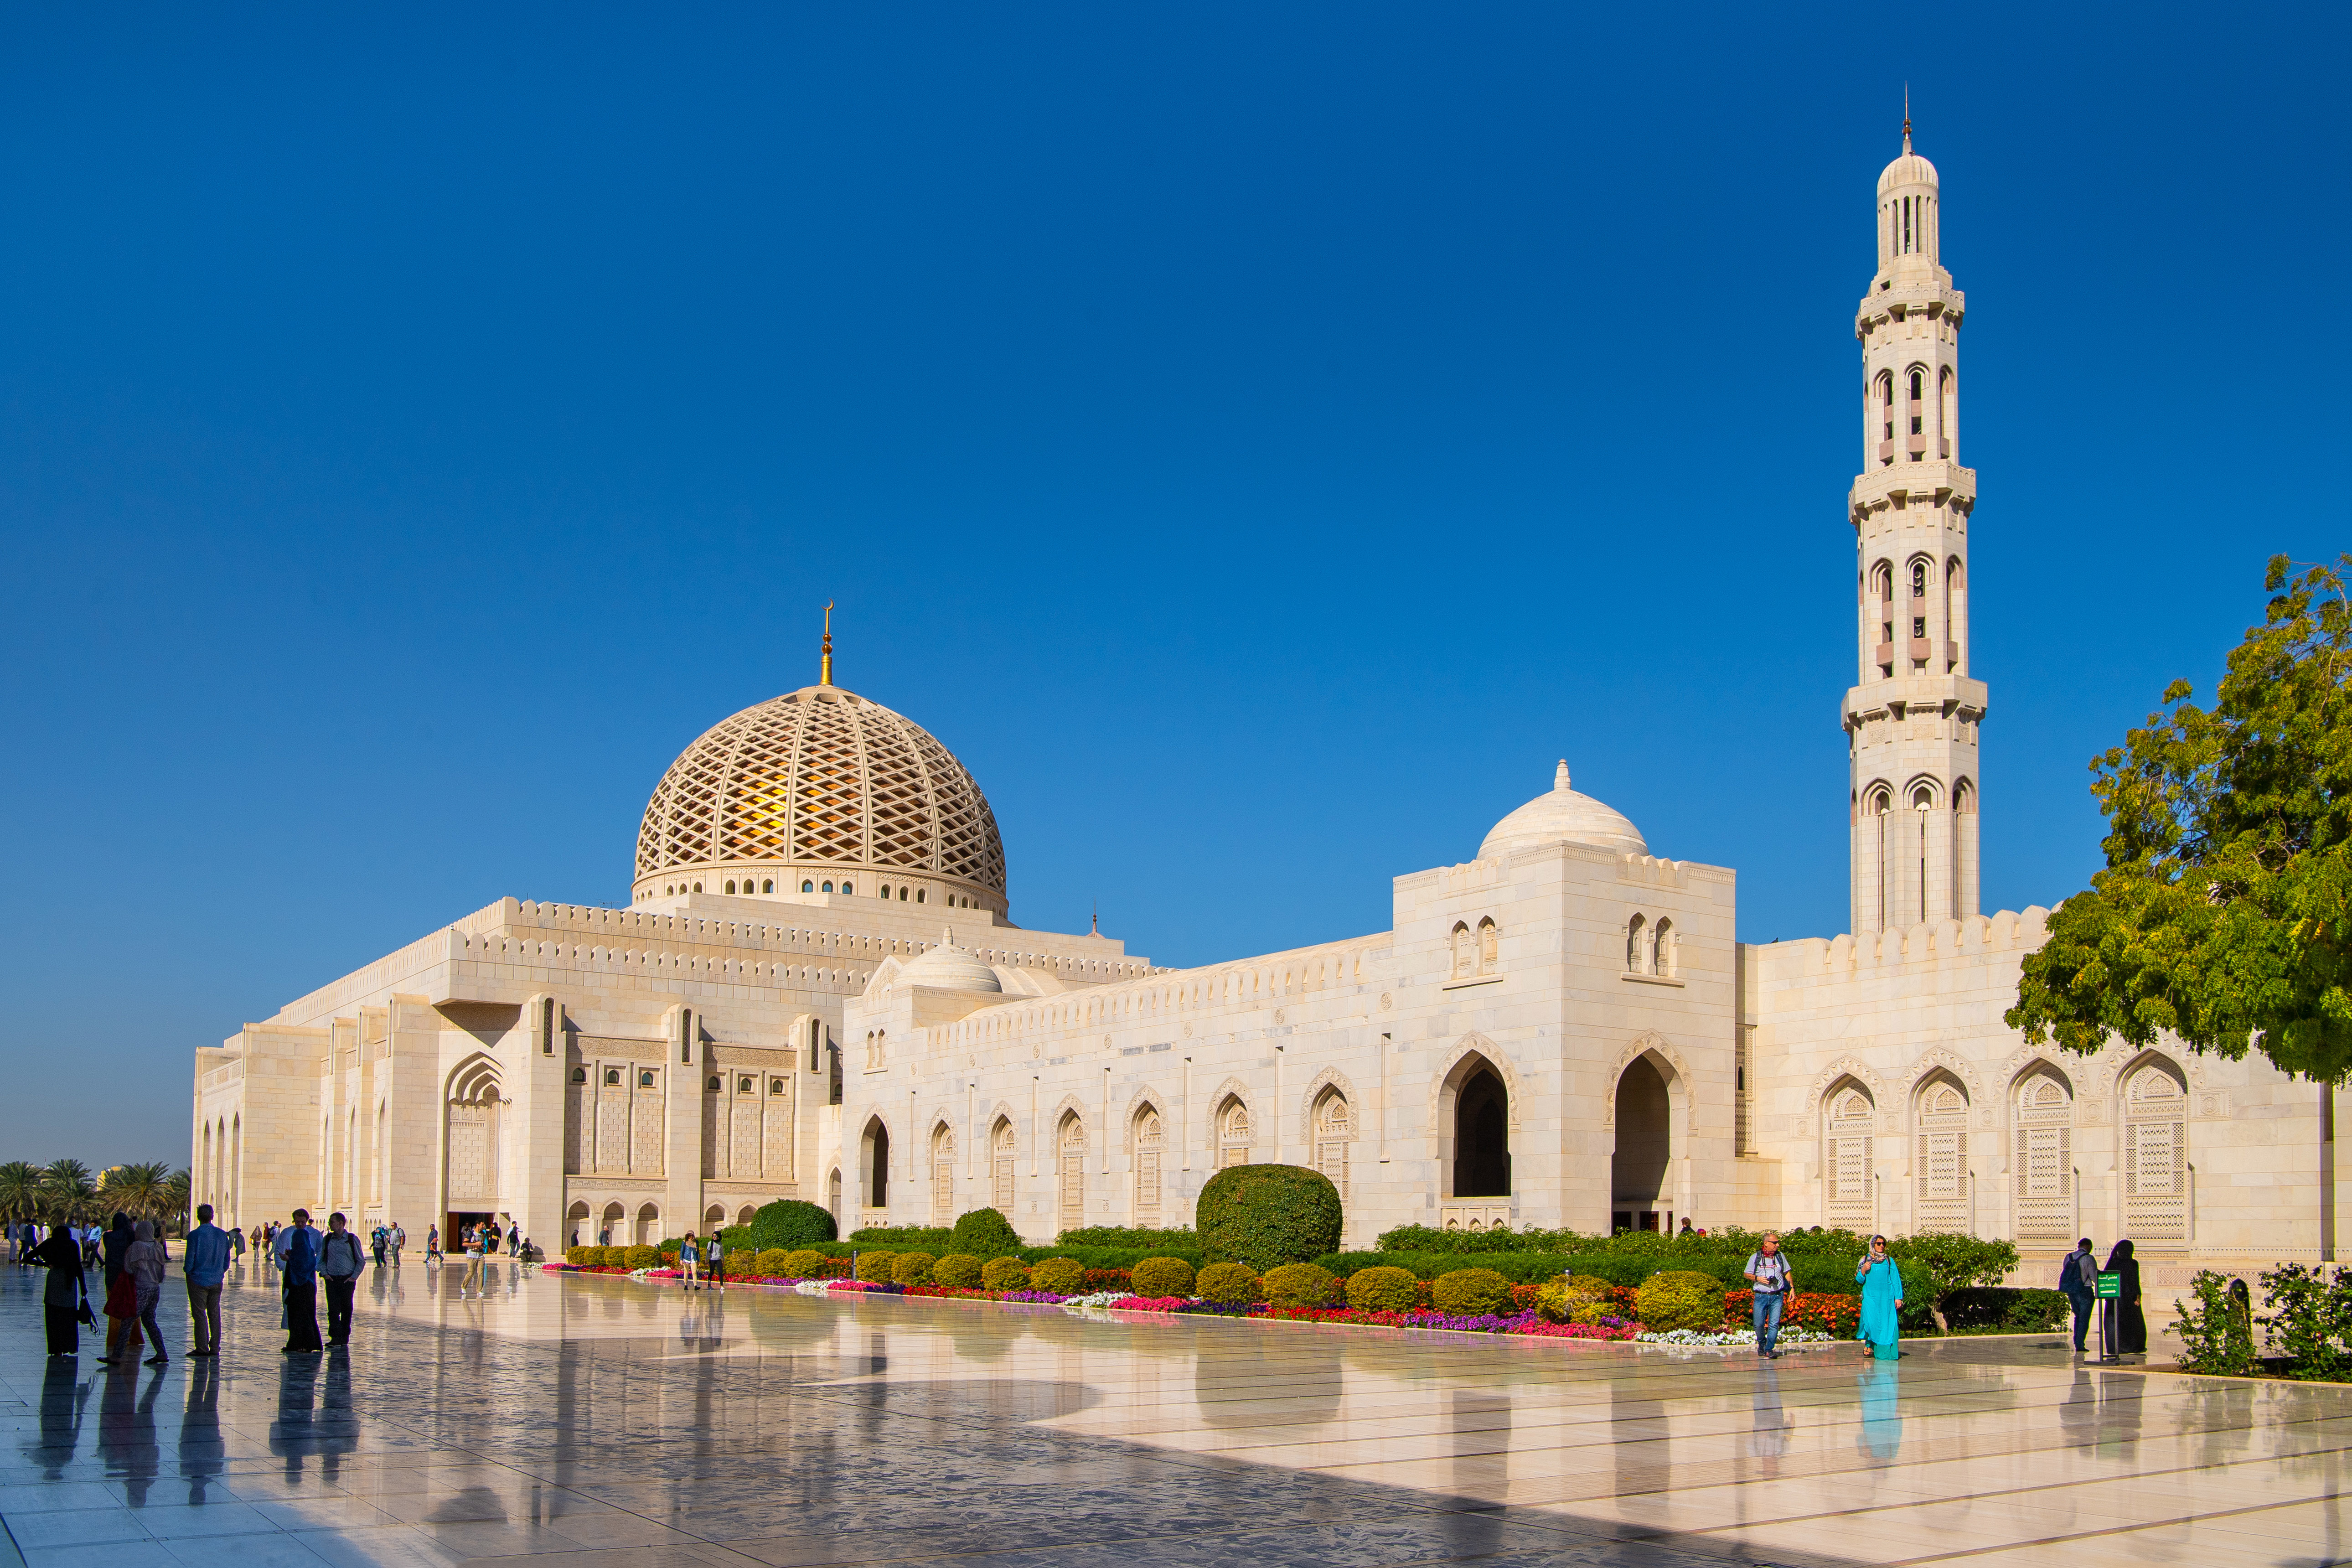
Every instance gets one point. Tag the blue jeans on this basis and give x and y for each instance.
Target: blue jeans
(1769, 1304)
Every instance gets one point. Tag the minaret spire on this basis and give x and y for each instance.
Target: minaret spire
(1906, 117)
(824, 660)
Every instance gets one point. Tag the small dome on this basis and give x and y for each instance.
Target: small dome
(952, 968)
(1910, 169)
(1563, 817)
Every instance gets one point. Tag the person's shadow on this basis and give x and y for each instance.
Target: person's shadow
(63, 1395)
(303, 1429)
(203, 1454)
(1881, 1389)
(126, 1431)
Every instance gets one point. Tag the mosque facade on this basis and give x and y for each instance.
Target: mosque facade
(816, 990)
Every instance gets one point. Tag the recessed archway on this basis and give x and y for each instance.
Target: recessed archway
(1643, 1155)
(1481, 1104)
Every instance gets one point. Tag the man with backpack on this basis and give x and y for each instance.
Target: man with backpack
(2079, 1278)
(338, 1265)
(1768, 1272)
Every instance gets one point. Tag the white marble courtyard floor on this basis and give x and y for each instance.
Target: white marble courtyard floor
(600, 1423)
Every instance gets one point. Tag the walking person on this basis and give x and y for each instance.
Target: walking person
(203, 1262)
(298, 1285)
(64, 1296)
(1768, 1272)
(123, 1333)
(432, 1243)
(1882, 1301)
(514, 1241)
(689, 1261)
(716, 1255)
(471, 1238)
(399, 1240)
(339, 1267)
(235, 1243)
(376, 1242)
(2131, 1323)
(145, 1262)
(2078, 1276)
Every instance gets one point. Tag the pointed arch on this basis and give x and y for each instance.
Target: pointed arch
(1944, 1192)
(1476, 1113)
(1070, 1170)
(1147, 1136)
(874, 1143)
(1649, 1118)
(1848, 1119)
(2152, 1119)
(942, 1170)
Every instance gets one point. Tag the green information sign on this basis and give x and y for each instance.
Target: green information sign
(2111, 1286)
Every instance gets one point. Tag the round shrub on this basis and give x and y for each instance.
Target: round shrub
(1467, 1292)
(1563, 1300)
(874, 1266)
(1005, 1274)
(640, 1256)
(1680, 1298)
(1057, 1276)
(957, 1271)
(788, 1222)
(1299, 1285)
(1230, 1284)
(913, 1268)
(1265, 1215)
(1381, 1289)
(985, 1233)
(584, 1256)
(1161, 1277)
(767, 1262)
(802, 1264)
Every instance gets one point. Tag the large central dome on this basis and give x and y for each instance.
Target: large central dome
(822, 791)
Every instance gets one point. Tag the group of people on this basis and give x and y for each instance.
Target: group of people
(701, 1261)
(1881, 1278)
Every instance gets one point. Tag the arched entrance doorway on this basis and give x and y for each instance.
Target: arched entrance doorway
(877, 1165)
(1637, 1168)
(1482, 1135)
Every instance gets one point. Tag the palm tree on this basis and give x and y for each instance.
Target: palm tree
(177, 1202)
(70, 1189)
(22, 1197)
(138, 1189)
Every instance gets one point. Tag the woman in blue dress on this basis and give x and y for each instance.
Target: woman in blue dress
(1882, 1301)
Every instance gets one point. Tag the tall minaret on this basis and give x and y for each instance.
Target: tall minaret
(1911, 718)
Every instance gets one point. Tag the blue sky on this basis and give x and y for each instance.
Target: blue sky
(1257, 440)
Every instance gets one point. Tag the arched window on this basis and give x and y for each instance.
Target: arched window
(648, 1224)
(744, 1214)
(712, 1218)
(613, 1076)
(1947, 416)
(767, 885)
(2042, 1181)
(877, 1164)
(886, 889)
(1940, 1173)
(808, 887)
(1662, 949)
(943, 1148)
(1490, 946)
(713, 1085)
(775, 1086)
(1849, 1197)
(1071, 1145)
(848, 888)
(1465, 952)
(1886, 418)
(645, 1079)
(743, 1083)
(698, 887)
(918, 895)
(1335, 1129)
(730, 884)
(1232, 1132)
(1634, 944)
(1003, 1147)
(1150, 1146)
(2156, 1155)
(902, 895)
(580, 1075)
(828, 886)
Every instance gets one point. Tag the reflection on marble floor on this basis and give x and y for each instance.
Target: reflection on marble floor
(594, 1422)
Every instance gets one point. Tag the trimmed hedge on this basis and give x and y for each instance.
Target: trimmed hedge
(1467, 1292)
(640, 1256)
(787, 1223)
(985, 1234)
(898, 1236)
(874, 1266)
(1265, 1215)
(1380, 1288)
(802, 1263)
(1826, 1276)
(1180, 1242)
(1230, 1284)
(1299, 1285)
(912, 1268)
(1162, 1276)
(1005, 1274)
(1057, 1276)
(584, 1256)
(958, 1270)
(2003, 1309)
(1681, 1299)
(769, 1262)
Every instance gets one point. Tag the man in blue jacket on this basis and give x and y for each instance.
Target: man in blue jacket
(2079, 1278)
(205, 1260)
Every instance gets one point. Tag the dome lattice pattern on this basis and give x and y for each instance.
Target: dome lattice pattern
(822, 777)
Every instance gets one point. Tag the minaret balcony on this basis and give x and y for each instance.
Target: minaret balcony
(1932, 481)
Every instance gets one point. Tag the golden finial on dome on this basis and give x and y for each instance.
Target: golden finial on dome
(824, 660)
(1906, 117)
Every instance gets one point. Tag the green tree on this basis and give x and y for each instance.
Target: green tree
(71, 1190)
(2225, 910)
(140, 1189)
(22, 1197)
(175, 1207)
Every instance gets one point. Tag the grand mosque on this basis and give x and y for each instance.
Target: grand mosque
(816, 990)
